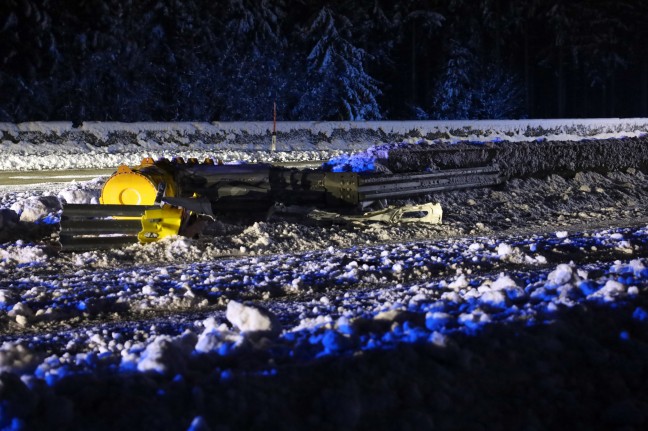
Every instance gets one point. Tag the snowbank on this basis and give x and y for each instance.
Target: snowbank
(31, 145)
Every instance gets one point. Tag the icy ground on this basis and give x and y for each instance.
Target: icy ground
(526, 309)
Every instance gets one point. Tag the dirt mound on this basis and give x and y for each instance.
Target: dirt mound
(524, 159)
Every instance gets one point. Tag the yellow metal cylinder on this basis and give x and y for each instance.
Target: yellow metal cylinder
(137, 186)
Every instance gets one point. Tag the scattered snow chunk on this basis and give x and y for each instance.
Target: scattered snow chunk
(15, 357)
(438, 339)
(199, 424)
(640, 314)
(504, 249)
(218, 339)
(436, 320)
(343, 324)
(494, 298)
(167, 354)
(389, 315)
(21, 313)
(609, 292)
(562, 234)
(7, 296)
(460, 283)
(476, 246)
(23, 254)
(503, 282)
(563, 274)
(36, 208)
(248, 318)
(78, 196)
(474, 320)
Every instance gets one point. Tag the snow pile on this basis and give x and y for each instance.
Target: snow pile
(38, 146)
(36, 208)
(436, 311)
(363, 161)
(331, 315)
(78, 196)
(506, 252)
(166, 354)
(23, 254)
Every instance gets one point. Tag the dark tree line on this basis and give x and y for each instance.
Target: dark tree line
(137, 60)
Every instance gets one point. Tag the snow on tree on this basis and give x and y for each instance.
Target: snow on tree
(452, 96)
(366, 59)
(251, 60)
(472, 88)
(338, 86)
(497, 94)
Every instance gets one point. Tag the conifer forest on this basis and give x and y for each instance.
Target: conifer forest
(230, 60)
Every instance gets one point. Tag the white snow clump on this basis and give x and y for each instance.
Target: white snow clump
(15, 357)
(248, 318)
(78, 196)
(20, 253)
(35, 208)
(215, 336)
(563, 274)
(167, 354)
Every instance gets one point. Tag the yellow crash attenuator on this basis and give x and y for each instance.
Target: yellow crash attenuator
(140, 186)
(137, 186)
(127, 187)
(159, 223)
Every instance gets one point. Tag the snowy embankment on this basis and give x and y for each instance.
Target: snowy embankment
(35, 146)
(437, 333)
(526, 309)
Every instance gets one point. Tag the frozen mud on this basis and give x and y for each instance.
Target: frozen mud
(520, 159)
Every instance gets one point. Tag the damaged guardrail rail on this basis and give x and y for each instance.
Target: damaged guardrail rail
(161, 198)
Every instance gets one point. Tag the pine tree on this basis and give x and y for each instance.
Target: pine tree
(337, 84)
(252, 59)
(28, 55)
(602, 53)
(497, 94)
(453, 94)
(417, 31)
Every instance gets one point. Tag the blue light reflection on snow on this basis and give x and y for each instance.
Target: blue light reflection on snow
(50, 220)
(352, 163)
(358, 329)
(457, 318)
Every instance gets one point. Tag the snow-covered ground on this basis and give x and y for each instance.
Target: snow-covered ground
(59, 145)
(526, 309)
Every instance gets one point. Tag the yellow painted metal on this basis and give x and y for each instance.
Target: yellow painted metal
(128, 187)
(138, 185)
(159, 223)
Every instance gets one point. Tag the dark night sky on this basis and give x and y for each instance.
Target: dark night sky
(130, 60)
